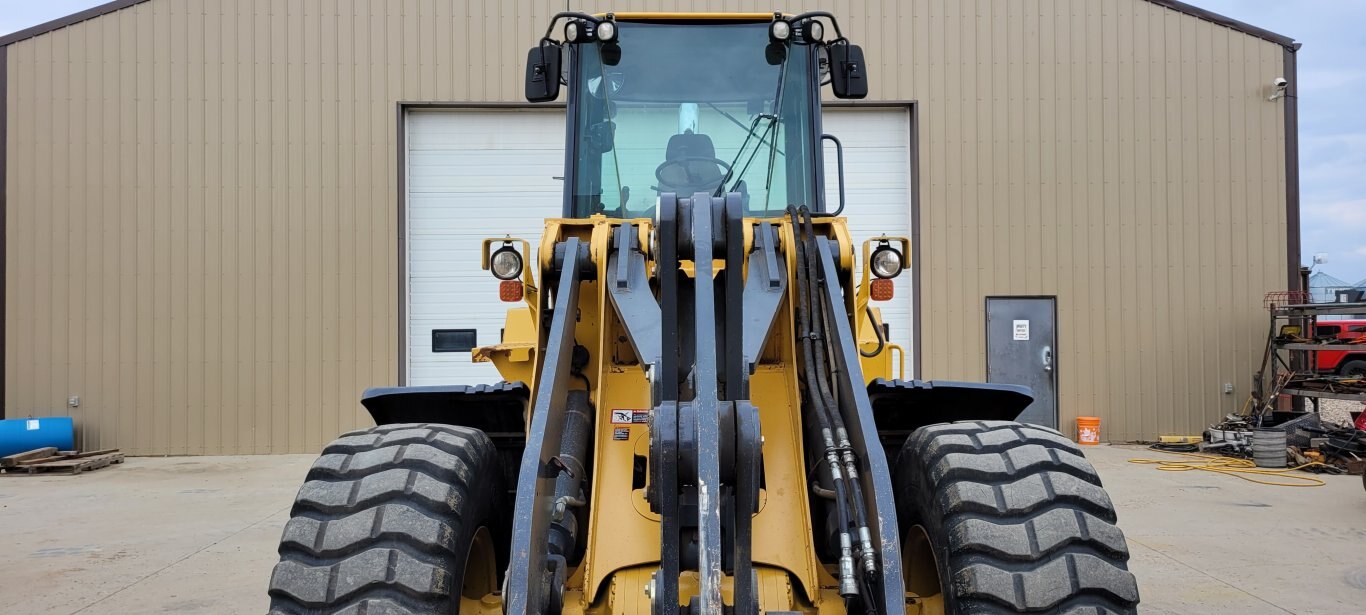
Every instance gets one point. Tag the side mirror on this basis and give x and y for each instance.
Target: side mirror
(543, 72)
(848, 73)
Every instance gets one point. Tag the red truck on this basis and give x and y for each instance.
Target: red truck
(1343, 362)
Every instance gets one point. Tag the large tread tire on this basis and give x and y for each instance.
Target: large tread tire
(1016, 519)
(385, 520)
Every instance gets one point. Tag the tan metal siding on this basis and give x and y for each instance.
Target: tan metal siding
(202, 203)
(1123, 157)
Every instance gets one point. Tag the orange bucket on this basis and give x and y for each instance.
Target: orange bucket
(1088, 430)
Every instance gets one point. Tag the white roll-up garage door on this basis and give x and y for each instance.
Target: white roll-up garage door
(877, 188)
(471, 174)
(476, 173)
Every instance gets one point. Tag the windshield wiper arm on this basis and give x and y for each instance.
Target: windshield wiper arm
(730, 172)
(773, 148)
(762, 140)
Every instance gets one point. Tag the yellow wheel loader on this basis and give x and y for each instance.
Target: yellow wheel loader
(701, 413)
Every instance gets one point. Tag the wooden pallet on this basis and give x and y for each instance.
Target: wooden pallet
(64, 462)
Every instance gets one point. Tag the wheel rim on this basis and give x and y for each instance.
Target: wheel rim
(919, 566)
(481, 568)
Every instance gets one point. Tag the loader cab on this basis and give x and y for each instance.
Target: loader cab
(688, 103)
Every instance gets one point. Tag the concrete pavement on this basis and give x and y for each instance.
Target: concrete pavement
(1208, 543)
(198, 535)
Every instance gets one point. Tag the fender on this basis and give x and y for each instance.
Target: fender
(902, 406)
(494, 408)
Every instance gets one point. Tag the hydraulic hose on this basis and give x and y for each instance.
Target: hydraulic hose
(824, 365)
(806, 331)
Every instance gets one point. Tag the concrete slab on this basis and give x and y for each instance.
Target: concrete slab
(198, 535)
(179, 534)
(1209, 543)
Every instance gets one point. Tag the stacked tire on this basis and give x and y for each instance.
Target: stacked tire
(1268, 448)
(1013, 518)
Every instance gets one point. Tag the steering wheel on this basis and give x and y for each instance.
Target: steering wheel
(692, 181)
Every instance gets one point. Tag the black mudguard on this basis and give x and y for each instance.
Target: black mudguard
(494, 408)
(902, 406)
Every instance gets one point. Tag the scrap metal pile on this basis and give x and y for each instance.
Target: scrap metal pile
(1322, 447)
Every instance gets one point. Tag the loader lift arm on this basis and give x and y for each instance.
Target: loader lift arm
(705, 445)
(533, 575)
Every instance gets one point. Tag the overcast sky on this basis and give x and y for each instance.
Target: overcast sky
(1332, 67)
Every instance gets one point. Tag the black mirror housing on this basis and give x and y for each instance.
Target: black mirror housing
(610, 54)
(775, 53)
(848, 72)
(543, 72)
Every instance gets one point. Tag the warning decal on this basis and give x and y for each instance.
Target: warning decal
(628, 416)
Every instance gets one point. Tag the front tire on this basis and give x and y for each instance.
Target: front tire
(1355, 367)
(1002, 517)
(399, 519)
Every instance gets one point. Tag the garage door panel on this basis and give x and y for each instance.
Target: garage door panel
(473, 174)
(877, 191)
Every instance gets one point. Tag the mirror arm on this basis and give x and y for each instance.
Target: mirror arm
(813, 14)
(577, 15)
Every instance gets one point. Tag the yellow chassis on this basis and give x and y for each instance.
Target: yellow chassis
(622, 539)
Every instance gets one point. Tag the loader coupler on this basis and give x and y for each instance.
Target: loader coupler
(493, 408)
(902, 406)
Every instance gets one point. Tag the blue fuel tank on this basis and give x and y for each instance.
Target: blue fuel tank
(20, 435)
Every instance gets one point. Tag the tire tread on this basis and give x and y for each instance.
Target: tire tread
(374, 527)
(1027, 525)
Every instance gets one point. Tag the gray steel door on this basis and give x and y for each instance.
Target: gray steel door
(1021, 347)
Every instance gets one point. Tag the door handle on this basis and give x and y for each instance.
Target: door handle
(1048, 358)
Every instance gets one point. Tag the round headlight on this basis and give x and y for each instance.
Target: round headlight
(780, 30)
(506, 263)
(607, 31)
(886, 262)
(571, 32)
(815, 32)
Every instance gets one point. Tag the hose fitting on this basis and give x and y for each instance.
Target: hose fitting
(869, 557)
(848, 585)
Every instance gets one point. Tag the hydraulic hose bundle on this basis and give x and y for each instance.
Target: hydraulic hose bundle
(813, 326)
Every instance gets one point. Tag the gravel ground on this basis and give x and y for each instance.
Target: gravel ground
(1338, 411)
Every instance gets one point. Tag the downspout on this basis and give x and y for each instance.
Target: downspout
(1292, 170)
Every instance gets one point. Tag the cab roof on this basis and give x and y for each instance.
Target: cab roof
(686, 17)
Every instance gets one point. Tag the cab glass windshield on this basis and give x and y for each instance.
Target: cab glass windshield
(686, 108)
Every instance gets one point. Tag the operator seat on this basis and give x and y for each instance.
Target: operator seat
(690, 165)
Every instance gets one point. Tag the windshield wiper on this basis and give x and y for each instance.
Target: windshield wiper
(763, 138)
(773, 150)
(741, 125)
(773, 147)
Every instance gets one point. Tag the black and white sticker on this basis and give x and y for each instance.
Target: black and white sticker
(621, 433)
(628, 416)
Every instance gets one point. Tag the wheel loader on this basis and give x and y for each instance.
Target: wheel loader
(701, 412)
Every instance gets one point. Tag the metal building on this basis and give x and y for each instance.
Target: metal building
(223, 219)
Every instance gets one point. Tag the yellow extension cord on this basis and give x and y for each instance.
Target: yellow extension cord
(1235, 467)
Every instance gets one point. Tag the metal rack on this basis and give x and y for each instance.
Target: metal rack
(1288, 367)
